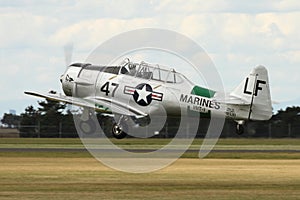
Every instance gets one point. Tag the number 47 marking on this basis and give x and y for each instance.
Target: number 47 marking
(106, 86)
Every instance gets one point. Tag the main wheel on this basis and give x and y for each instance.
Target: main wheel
(118, 130)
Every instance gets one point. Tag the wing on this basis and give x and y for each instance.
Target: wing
(100, 104)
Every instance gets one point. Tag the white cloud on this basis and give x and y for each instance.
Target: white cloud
(90, 33)
(192, 6)
(293, 57)
(24, 29)
(287, 5)
(238, 35)
(228, 6)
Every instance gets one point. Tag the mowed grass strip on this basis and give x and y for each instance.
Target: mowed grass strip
(86, 178)
(236, 147)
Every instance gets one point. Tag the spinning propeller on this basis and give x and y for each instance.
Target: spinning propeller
(68, 50)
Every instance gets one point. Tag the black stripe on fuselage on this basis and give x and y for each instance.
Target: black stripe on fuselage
(108, 69)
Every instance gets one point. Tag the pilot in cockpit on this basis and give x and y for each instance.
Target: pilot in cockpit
(129, 69)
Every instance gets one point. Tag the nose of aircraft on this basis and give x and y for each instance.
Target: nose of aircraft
(68, 78)
(61, 78)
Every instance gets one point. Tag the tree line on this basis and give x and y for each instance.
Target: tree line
(50, 119)
(54, 119)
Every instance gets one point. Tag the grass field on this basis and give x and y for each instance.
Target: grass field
(280, 145)
(74, 175)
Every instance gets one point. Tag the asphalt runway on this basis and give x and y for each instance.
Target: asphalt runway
(139, 150)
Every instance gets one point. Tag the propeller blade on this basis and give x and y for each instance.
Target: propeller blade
(68, 49)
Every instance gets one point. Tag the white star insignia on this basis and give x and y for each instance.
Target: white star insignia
(143, 94)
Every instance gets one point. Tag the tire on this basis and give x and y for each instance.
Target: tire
(119, 131)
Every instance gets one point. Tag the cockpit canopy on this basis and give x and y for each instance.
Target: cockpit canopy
(139, 70)
(150, 71)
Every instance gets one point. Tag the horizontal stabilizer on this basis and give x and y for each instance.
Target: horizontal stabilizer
(235, 101)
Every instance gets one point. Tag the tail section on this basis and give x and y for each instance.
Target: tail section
(255, 90)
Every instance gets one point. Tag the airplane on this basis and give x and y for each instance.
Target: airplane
(129, 89)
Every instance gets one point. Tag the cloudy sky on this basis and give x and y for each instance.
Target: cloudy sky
(237, 35)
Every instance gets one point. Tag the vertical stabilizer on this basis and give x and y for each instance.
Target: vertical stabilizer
(255, 90)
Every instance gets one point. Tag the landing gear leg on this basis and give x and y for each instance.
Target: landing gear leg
(240, 127)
